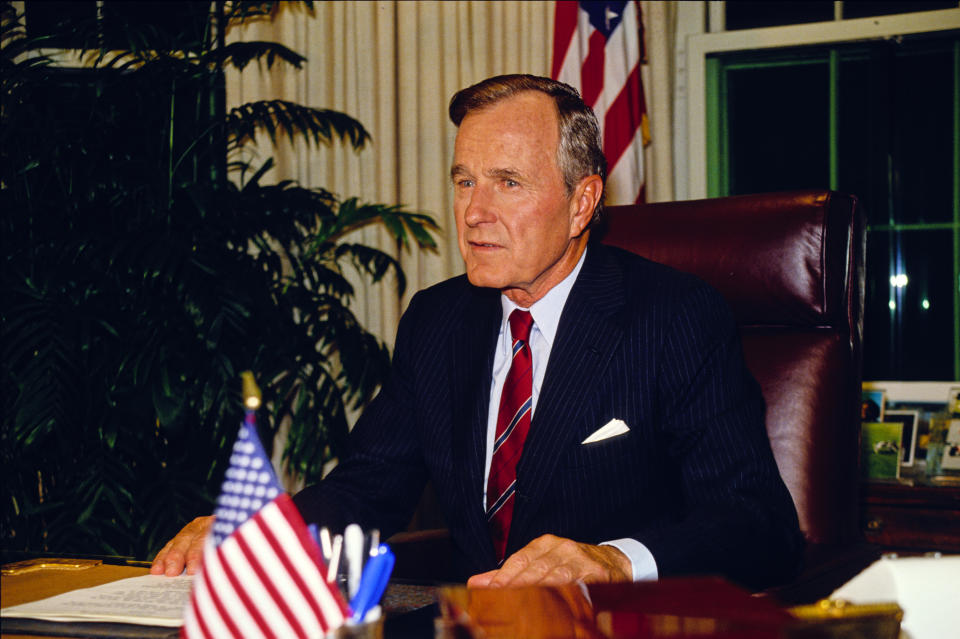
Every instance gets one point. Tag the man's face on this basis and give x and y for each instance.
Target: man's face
(515, 224)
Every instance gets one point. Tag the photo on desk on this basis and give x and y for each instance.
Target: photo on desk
(951, 449)
(872, 404)
(880, 450)
(908, 441)
(953, 400)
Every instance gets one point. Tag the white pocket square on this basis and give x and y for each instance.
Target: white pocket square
(611, 429)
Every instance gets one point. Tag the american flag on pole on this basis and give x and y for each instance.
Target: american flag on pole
(262, 575)
(598, 48)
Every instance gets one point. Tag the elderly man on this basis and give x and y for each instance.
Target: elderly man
(583, 413)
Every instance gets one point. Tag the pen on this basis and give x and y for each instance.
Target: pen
(326, 545)
(373, 583)
(353, 553)
(371, 544)
(314, 535)
(334, 566)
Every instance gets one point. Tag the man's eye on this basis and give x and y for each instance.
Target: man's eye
(511, 183)
(465, 183)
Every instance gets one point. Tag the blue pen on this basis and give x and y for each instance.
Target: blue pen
(315, 536)
(373, 583)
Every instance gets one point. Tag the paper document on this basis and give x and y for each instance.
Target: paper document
(150, 600)
(926, 588)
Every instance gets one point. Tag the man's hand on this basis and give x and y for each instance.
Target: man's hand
(184, 549)
(551, 561)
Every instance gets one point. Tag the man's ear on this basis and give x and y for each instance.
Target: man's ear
(586, 197)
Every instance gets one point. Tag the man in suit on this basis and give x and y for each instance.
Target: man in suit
(641, 449)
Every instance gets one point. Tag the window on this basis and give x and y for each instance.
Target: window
(866, 106)
(877, 119)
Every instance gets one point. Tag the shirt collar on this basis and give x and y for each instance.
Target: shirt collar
(546, 310)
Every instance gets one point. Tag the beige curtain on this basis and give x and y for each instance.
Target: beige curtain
(394, 65)
(659, 21)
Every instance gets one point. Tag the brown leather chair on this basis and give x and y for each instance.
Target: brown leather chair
(791, 266)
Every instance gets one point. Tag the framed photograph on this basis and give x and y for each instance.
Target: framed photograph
(908, 442)
(880, 450)
(951, 451)
(872, 406)
(953, 400)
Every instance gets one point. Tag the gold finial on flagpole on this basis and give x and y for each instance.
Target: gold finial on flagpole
(251, 392)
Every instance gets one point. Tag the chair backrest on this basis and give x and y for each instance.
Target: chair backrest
(791, 267)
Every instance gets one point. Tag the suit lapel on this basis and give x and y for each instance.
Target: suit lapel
(586, 337)
(471, 366)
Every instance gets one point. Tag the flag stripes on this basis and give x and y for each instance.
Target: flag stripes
(298, 550)
(264, 580)
(251, 588)
(598, 49)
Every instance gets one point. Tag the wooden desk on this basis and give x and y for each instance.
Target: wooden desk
(917, 517)
(47, 582)
(401, 598)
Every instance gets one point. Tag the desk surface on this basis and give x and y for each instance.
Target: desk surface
(53, 580)
(46, 582)
(400, 598)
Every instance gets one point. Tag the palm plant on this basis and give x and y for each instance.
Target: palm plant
(139, 280)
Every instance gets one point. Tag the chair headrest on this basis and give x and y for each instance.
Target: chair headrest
(778, 258)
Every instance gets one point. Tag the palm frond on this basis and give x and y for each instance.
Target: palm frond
(240, 54)
(240, 10)
(321, 126)
(134, 296)
(351, 215)
(372, 262)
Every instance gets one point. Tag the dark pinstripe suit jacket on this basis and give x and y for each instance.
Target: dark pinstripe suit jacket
(694, 479)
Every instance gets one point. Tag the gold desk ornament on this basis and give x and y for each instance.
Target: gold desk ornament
(47, 563)
(841, 619)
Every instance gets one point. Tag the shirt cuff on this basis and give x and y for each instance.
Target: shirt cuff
(641, 559)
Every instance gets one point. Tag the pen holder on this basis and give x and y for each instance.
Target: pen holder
(366, 630)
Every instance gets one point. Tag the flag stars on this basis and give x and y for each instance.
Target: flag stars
(609, 16)
(248, 484)
(240, 460)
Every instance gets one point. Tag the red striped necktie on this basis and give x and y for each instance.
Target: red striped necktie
(513, 423)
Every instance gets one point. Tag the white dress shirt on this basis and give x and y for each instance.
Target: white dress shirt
(546, 316)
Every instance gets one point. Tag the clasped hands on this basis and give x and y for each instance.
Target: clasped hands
(547, 560)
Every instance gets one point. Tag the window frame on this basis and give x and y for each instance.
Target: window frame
(700, 46)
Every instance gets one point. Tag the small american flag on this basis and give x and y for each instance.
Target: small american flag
(261, 575)
(598, 48)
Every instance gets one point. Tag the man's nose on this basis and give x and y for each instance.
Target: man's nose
(480, 207)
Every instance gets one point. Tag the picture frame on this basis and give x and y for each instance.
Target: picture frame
(908, 441)
(953, 400)
(951, 451)
(880, 450)
(872, 407)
